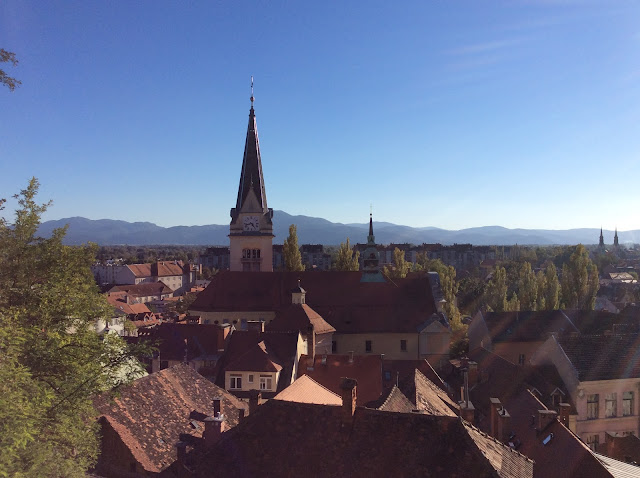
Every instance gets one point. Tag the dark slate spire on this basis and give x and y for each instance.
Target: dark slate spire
(601, 243)
(251, 177)
(615, 238)
(371, 239)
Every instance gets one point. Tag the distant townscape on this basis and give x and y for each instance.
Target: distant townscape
(321, 359)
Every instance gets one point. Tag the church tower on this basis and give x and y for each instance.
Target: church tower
(615, 238)
(601, 243)
(371, 258)
(251, 230)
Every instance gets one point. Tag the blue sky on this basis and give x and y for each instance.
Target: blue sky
(447, 114)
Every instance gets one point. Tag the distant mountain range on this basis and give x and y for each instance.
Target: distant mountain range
(314, 230)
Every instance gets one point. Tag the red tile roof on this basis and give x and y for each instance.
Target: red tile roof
(298, 439)
(564, 456)
(199, 340)
(350, 306)
(145, 289)
(298, 317)
(153, 413)
(120, 304)
(140, 270)
(307, 390)
(328, 371)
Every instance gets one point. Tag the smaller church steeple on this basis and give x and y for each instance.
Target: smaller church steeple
(371, 258)
(601, 243)
(615, 238)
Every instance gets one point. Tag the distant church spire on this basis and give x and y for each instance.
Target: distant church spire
(251, 177)
(371, 258)
(615, 238)
(601, 243)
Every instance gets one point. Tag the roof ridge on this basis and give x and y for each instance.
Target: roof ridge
(495, 440)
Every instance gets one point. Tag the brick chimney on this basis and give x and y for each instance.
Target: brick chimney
(348, 391)
(255, 398)
(545, 418)
(495, 405)
(213, 429)
(565, 408)
(182, 452)
(255, 325)
(240, 414)
(473, 372)
(311, 343)
(217, 403)
(504, 425)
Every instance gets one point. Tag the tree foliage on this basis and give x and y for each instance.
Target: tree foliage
(346, 259)
(52, 362)
(291, 251)
(5, 79)
(401, 266)
(579, 281)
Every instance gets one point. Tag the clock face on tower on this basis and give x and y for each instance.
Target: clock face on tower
(251, 223)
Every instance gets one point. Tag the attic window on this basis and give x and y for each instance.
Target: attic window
(195, 424)
(548, 439)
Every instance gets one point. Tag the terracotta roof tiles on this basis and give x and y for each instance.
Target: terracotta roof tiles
(307, 390)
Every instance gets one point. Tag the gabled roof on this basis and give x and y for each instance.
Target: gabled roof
(277, 352)
(140, 270)
(296, 439)
(563, 456)
(395, 401)
(298, 317)
(328, 371)
(433, 399)
(526, 326)
(603, 357)
(199, 340)
(307, 390)
(402, 373)
(155, 412)
(502, 379)
(143, 289)
(120, 304)
(347, 304)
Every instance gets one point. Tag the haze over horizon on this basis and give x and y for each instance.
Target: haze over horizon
(519, 114)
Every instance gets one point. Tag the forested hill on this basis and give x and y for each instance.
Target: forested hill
(314, 230)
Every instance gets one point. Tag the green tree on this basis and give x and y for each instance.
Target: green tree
(579, 281)
(346, 259)
(527, 287)
(291, 251)
(5, 79)
(52, 362)
(552, 288)
(496, 292)
(401, 266)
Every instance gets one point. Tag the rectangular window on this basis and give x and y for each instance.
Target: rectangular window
(367, 345)
(592, 442)
(235, 382)
(266, 383)
(250, 379)
(164, 364)
(403, 345)
(610, 405)
(592, 406)
(521, 359)
(627, 403)
(334, 346)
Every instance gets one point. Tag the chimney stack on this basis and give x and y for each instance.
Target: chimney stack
(495, 405)
(255, 398)
(311, 343)
(213, 429)
(182, 452)
(546, 417)
(504, 425)
(348, 390)
(240, 414)
(565, 408)
(473, 372)
(217, 403)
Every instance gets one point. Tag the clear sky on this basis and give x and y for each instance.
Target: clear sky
(440, 113)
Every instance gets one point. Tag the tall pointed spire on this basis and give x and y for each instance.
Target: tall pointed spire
(371, 239)
(371, 258)
(251, 177)
(601, 243)
(615, 238)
